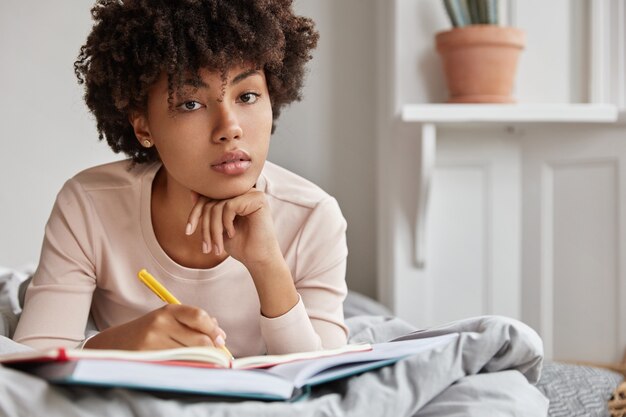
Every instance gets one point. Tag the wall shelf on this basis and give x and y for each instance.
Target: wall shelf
(431, 115)
(509, 113)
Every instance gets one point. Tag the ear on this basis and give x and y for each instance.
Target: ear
(139, 122)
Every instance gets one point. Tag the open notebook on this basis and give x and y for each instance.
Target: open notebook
(209, 371)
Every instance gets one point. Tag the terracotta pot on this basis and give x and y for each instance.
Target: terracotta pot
(480, 62)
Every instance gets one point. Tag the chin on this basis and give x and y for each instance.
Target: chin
(229, 191)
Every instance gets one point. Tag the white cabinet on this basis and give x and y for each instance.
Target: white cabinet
(513, 210)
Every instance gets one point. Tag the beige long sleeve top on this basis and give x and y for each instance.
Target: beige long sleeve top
(99, 235)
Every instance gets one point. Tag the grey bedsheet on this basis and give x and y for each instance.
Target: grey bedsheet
(487, 371)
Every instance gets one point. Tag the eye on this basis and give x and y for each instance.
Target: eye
(249, 98)
(190, 105)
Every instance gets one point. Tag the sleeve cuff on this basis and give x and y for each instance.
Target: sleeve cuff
(291, 332)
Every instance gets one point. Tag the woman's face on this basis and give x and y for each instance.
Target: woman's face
(215, 136)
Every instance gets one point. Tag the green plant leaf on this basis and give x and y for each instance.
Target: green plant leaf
(458, 12)
(492, 12)
(451, 12)
(465, 12)
(473, 12)
(483, 14)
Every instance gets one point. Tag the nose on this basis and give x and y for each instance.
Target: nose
(226, 126)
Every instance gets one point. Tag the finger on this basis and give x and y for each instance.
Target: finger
(243, 205)
(219, 329)
(199, 321)
(166, 332)
(217, 228)
(194, 215)
(228, 219)
(220, 340)
(248, 203)
(207, 243)
(222, 333)
(184, 336)
(194, 197)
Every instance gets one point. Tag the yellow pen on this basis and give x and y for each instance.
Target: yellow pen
(164, 294)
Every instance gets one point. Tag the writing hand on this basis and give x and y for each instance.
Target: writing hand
(168, 327)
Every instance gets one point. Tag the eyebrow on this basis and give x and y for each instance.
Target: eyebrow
(244, 75)
(198, 83)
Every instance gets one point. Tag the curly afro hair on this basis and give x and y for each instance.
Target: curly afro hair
(133, 42)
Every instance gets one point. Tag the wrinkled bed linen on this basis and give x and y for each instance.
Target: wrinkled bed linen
(10, 287)
(488, 371)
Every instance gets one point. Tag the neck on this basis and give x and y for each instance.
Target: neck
(170, 196)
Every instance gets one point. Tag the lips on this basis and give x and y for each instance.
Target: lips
(232, 156)
(232, 163)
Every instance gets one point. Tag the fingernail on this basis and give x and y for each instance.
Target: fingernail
(188, 229)
(219, 340)
(217, 250)
(205, 247)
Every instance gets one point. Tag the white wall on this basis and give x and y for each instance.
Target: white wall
(47, 135)
(330, 136)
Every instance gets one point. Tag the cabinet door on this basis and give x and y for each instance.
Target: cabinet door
(474, 225)
(574, 240)
(473, 230)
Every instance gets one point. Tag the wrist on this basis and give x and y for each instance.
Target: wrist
(275, 287)
(271, 260)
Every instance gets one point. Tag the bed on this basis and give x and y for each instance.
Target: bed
(486, 373)
(573, 390)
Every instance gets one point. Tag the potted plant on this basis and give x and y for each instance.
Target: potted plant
(479, 55)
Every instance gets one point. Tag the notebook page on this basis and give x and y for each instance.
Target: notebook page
(303, 372)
